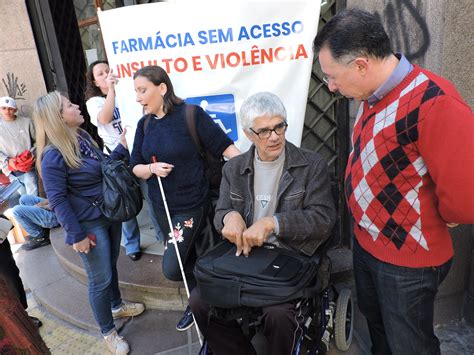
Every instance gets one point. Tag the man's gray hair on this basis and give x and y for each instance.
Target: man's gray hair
(262, 104)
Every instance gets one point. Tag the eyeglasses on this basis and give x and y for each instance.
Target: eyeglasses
(266, 132)
(326, 78)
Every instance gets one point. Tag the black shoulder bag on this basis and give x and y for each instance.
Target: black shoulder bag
(122, 197)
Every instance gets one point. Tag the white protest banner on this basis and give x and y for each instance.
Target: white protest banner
(216, 54)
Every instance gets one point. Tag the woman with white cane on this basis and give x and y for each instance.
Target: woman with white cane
(163, 132)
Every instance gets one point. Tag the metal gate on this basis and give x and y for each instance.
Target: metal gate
(326, 129)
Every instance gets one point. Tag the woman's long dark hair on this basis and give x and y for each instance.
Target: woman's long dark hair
(91, 89)
(158, 75)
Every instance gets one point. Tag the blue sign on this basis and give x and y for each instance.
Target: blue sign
(222, 110)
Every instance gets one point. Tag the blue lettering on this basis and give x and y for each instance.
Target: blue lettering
(168, 41)
(145, 45)
(115, 46)
(132, 42)
(188, 39)
(212, 36)
(252, 31)
(297, 27)
(266, 30)
(243, 34)
(124, 47)
(202, 37)
(223, 37)
(276, 29)
(159, 41)
(285, 29)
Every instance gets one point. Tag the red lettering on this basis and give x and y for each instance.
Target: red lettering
(213, 63)
(167, 64)
(236, 60)
(180, 67)
(197, 63)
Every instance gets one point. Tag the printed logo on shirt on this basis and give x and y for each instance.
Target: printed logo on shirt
(222, 110)
(264, 199)
(116, 114)
(117, 125)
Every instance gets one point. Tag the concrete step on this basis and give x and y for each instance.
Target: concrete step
(55, 289)
(140, 281)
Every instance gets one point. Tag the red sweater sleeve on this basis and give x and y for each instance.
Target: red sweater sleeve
(446, 143)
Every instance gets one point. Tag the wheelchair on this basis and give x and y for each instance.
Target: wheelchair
(323, 318)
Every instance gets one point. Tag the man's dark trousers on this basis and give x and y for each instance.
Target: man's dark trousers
(227, 338)
(398, 304)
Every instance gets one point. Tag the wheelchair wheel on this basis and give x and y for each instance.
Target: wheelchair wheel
(343, 320)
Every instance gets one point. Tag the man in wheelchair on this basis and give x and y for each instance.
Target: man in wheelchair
(274, 193)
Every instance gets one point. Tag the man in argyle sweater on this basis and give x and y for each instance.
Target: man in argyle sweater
(410, 173)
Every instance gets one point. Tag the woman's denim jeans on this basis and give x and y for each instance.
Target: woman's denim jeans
(101, 267)
(187, 226)
(398, 304)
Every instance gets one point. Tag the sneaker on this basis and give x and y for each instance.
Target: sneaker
(128, 309)
(116, 344)
(186, 322)
(33, 243)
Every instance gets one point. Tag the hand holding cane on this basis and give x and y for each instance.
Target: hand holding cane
(173, 240)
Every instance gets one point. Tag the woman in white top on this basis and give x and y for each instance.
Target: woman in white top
(105, 115)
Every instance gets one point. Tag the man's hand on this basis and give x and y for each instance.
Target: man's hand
(257, 234)
(234, 226)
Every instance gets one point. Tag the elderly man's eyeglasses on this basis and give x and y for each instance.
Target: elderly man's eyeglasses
(266, 132)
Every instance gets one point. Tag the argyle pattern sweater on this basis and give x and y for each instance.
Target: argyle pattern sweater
(411, 171)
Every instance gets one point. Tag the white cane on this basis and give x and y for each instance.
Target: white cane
(173, 240)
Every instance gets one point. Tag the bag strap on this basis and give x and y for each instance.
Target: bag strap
(76, 193)
(191, 124)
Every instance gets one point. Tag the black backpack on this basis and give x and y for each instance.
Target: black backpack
(122, 197)
(269, 275)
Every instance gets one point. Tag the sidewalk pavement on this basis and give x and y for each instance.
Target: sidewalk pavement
(154, 331)
(457, 338)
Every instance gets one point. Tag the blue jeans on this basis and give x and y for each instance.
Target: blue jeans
(101, 268)
(187, 227)
(28, 180)
(398, 304)
(131, 234)
(34, 219)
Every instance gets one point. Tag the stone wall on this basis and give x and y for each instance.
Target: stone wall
(436, 34)
(20, 71)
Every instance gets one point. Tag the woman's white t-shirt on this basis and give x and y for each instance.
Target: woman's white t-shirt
(110, 132)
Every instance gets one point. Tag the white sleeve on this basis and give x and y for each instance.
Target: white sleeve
(94, 106)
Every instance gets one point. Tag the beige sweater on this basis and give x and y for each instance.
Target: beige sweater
(15, 137)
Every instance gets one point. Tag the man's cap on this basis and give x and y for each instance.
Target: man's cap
(7, 101)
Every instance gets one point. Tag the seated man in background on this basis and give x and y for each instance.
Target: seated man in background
(17, 137)
(276, 193)
(35, 216)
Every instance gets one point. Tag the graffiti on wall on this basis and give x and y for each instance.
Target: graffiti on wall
(14, 87)
(406, 28)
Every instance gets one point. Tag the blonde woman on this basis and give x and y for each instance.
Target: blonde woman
(67, 156)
